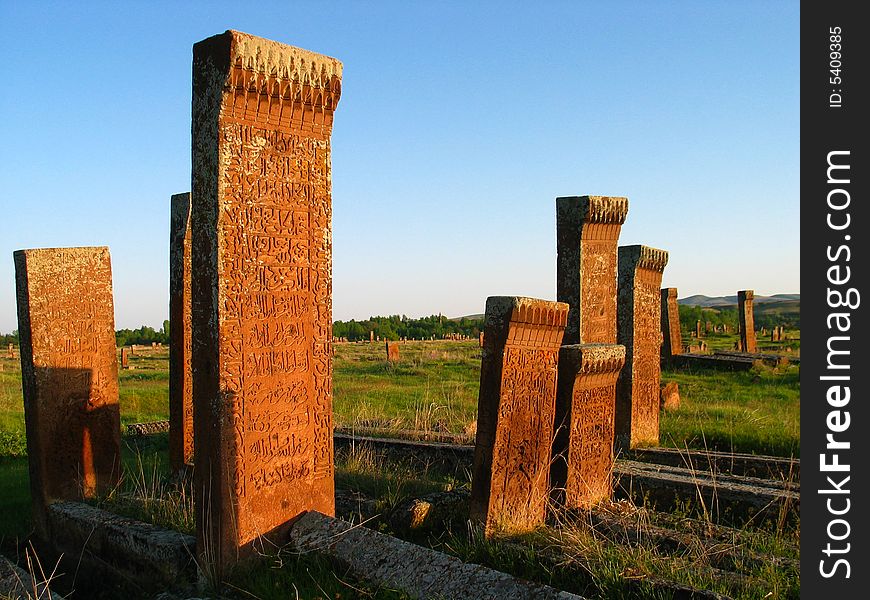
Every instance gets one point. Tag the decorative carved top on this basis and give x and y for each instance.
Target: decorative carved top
(671, 292)
(747, 294)
(590, 359)
(532, 311)
(643, 257)
(596, 209)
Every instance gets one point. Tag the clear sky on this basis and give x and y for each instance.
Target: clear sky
(458, 126)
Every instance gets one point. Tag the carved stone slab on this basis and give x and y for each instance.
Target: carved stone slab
(639, 327)
(515, 412)
(392, 351)
(180, 375)
(672, 338)
(587, 233)
(748, 342)
(262, 289)
(69, 370)
(585, 406)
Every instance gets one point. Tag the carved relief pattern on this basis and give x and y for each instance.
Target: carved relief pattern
(275, 313)
(70, 377)
(523, 439)
(598, 290)
(590, 453)
(646, 363)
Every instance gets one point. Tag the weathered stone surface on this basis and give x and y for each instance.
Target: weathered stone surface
(17, 584)
(587, 233)
(673, 338)
(119, 547)
(515, 412)
(670, 396)
(261, 288)
(180, 375)
(392, 351)
(582, 466)
(417, 571)
(747, 321)
(69, 369)
(639, 327)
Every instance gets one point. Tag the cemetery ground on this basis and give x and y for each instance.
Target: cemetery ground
(432, 392)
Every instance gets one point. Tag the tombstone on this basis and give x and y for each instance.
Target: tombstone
(708, 326)
(639, 327)
(698, 329)
(515, 412)
(261, 290)
(154, 345)
(125, 359)
(480, 339)
(581, 472)
(133, 350)
(670, 396)
(673, 338)
(11, 351)
(392, 351)
(180, 374)
(702, 346)
(69, 371)
(747, 323)
(371, 336)
(587, 232)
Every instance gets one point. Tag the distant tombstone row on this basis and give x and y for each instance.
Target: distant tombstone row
(778, 334)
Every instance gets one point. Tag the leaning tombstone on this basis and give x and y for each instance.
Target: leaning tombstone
(639, 326)
(180, 375)
(587, 233)
(582, 468)
(515, 412)
(261, 290)
(69, 372)
(747, 322)
(673, 338)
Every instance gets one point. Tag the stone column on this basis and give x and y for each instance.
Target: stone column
(261, 289)
(515, 412)
(637, 394)
(672, 337)
(747, 322)
(69, 372)
(581, 473)
(180, 375)
(587, 233)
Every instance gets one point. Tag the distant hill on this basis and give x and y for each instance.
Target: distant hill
(709, 302)
(477, 317)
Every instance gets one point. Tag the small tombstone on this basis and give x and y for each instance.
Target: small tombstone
(698, 328)
(582, 467)
(702, 346)
(11, 352)
(154, 345)
(708, 326)
(392, 351)
(133, 350)
(672, 338)
(371, 336)
(125, 358)
(515, 412)
(69, 371)
(670, 396)
(480, 339)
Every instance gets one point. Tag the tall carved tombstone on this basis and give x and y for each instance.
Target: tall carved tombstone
(672, 337)
(180, 374)
(698, 329)
(639, 325)
(515, 412)
(581, 474)
(262, 289)
(747, 321)
(69, 371)
(587, 233)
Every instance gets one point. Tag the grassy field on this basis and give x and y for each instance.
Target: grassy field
(433, 387)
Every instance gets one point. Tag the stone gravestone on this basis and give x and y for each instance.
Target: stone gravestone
(673, 339)
(125, 358)
(180, 375)
(582, 468)
(69, 371)
(639, 326)
(480, 339)
(670, 396)
(392, 351)
(698, 329)
(587, 233)
(261, 290)
(515, 412)
(11, 351)
(371, 336)
(747, 322)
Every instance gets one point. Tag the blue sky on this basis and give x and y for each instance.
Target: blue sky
(459, 125)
